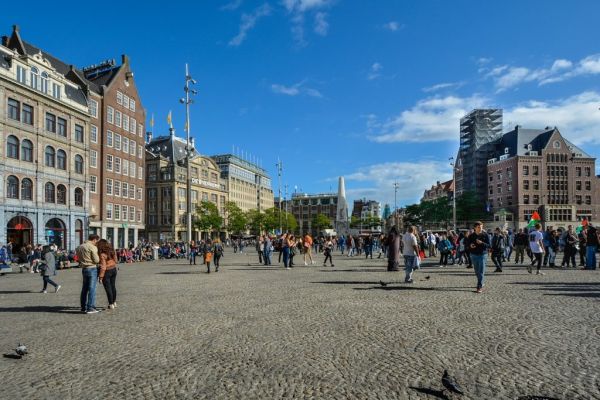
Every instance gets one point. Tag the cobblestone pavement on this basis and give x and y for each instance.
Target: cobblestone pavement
(255, 332)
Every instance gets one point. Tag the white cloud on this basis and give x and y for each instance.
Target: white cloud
(248, 22)
(231, 6)
(506, 77)
(321, 24)
(576, 117)
(295, 90)
(430, 120)
(375, 71)
(484, 60)
(392, 26)
(413, 177)
(441, 86)
(297, 9)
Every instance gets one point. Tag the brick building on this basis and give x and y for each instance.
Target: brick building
(439, 190)
(539, 170)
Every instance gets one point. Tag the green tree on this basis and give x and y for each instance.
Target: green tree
(236, 219)
(256, 221)
(469, 207)
(320, 222)
(413, 215)
(355, 222)
(207, 217)
(271, 220)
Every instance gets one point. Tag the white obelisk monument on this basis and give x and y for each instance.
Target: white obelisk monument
(342, 225)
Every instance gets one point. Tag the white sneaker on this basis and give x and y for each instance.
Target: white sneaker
(115, 304)
(305, 264)
(56, 289)
(313, 263)
(111, 306)
(43, 291)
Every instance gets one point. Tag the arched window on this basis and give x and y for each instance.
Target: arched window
(12, 147)
(27, 150)
(61, 159)
(26, 189)
(78, 197)
(50, 157)
(33, 77)
(49, 192)
(61, 194)
(44, 82)
(12, 187)
(79, 164)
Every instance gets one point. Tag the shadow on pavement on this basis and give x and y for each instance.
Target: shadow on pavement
(379, 269)
(180, 272)
(572, 289)
(43, 309)
(15, 291)
(431, 392)
(417, 288)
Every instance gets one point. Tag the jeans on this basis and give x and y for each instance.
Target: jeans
(47, 281)
(88, 290)
(582, 251)
(192, 258)
(267, 257)
(551, 257)
(409, 266)
(109, 282)
(286, 256)
(590, 260)
(497, 259)
(479, 261)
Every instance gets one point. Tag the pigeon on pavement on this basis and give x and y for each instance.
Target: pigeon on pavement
(21, 350)
(450, 383)
(382, 283)
(427, 277)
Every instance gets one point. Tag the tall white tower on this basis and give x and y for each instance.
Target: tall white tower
(341, 224)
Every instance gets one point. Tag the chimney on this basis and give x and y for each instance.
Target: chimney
(148, 136)
(124, 59)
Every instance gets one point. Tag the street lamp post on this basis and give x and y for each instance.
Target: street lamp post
(279, 166)
(453, 194)
(188, 148)
(396, 187)
(286, 206)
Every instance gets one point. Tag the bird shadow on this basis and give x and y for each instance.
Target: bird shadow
(431, 392)
(13, 356)
(43, 309)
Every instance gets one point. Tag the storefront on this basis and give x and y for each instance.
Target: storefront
(19, 231)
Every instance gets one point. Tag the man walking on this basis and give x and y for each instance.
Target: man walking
(498, 247)
(267, 250)
(591, 246)
(87, 254)
(536, 244)
(479, 242)
(410, 252)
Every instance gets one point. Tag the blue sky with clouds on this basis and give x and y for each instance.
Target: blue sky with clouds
(372, 90)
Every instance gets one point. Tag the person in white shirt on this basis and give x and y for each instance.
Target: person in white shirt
(536, 244)
(410, 251)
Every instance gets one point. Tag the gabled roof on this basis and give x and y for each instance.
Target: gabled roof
(170, 147)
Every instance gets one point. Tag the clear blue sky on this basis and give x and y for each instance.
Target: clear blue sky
(371, 90)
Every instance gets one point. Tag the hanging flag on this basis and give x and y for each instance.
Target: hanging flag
(535, 218)
(584, 222)
(169, 120)
(152, 121)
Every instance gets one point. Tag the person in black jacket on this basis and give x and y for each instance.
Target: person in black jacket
(478, 245)
(520, 243)
(498, 245)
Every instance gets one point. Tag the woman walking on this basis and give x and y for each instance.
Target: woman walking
(108, 271)
(218, 247)
(208, 255)
(328, 250)
(48, 267)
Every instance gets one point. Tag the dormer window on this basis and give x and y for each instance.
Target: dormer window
(506, 150)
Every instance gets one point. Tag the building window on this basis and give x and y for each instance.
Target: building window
(119, 98)
(125, 145)
(51, 122)
(536, 199)
(132, 191)
(109, 138)
(588, 185)
(93, 134)
(526, 185)
(536, 185)
(62, 127)
(93, 158)
(79, 133)
(21, 74)
(109, 186)
(139, 216)
(536, 170)
(117, 190)
(117, 141)
(61, 194)
(26, 189)
(118, 118)
(131, 148)
(78, 197)
(117, 212)
(50, 157)
(27, 150)
(93, 181)
(588, 200)
(588, 171)
(140, 172)
(140, 150)
(33, 78)
(133, 127)
(578, 199)
(117, 165)
(125, 101)
(44, 82)
(93, 105)
(56, 91)
(109, 211)
(526, 199)
(124, 213)
(125, 167)
(12, 187)
(14, 109)
(49, 192)
(525, 170)
(12, 147)
(124, 189)
(131, 213)
(78, 164)
(110, 114)
(577, 185)
(61, 160)
(109, 162)
(140, 130)
(27, 114)
(132, 108)
(139, 193)
(125, 122)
